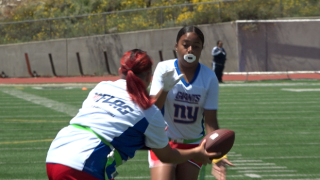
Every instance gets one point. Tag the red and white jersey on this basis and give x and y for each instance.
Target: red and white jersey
(186, 102)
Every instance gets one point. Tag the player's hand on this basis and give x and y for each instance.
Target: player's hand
(219, 169)
(169, 80)
(202, 155)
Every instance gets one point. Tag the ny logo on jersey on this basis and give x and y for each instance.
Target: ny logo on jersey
(185, 114)
(113, 101)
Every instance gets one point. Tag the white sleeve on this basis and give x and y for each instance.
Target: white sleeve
(155, 133)
(156, 83)
(215, 51)
(212, 96)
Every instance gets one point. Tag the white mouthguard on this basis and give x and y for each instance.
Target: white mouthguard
(190, 58)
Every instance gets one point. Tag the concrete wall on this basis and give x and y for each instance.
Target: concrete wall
(92, 51)
(282, 46)
(13, 58)
(249, 46)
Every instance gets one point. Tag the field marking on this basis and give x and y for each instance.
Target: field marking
(33, 162)
(293, 179)
(30, 141)
(53, 88)
(51, 85)
(236, 161)
(271, 118)
(55, 105)
(265, 171)
(290, 175)
(272, 167)
(32, 121)
(253, 175)
(53, 97)
(34, 116)
(255, 164)
(260, 118)
(290, 157)
(301, 90)
(6, 149)
(268, 84)
(274, 144)
(268, 112)
(262, 103)
(23, 179)
(280, 175)
(17, 107)
(263, 107)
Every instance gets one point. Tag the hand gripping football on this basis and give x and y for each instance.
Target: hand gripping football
(220, 140)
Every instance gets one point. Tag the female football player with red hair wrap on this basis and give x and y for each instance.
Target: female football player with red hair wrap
(116, 119)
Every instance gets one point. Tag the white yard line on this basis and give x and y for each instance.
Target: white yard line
(291, 157)
(272, 102)
(254, 167)
(267, 84)
(34, 116)
(294, 179)
(274, 144)
(253, 175)
(291, 175)
(55, 105)
(272, 118)
(51, 85)
(241, 161)
(10, 149)
(265, 171)
(301, 90)
(254, 164)
(268, 112)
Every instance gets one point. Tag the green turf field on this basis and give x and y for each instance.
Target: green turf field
(277, 125)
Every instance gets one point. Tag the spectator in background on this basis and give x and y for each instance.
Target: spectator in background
(219, 59)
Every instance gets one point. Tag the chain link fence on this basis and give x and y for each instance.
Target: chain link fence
(137, 19)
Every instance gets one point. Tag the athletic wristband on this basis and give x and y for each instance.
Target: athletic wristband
(217, 160)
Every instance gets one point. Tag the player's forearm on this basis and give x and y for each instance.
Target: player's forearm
(211, 121)
(161, 98)
(179, 156)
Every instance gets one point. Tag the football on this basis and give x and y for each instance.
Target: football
(220, 140)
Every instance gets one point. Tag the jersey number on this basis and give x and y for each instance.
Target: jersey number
(185, 114)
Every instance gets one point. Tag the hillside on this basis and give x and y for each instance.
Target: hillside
(93, 17)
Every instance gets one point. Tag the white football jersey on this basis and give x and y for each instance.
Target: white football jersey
(109, 112)
(185, 103)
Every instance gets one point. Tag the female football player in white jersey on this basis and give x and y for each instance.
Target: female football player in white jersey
(116, 119)
(190, 104)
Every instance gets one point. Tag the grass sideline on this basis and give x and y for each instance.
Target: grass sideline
(276, 125)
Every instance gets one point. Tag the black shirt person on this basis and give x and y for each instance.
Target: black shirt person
(219, 59)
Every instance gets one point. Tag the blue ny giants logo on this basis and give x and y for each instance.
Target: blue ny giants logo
(184, 113)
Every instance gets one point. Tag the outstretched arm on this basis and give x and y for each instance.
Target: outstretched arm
(199, 154)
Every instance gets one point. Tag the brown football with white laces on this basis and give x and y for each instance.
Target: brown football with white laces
(220, 140)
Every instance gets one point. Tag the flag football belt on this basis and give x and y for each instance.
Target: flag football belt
(112, 156)
(186, 141)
